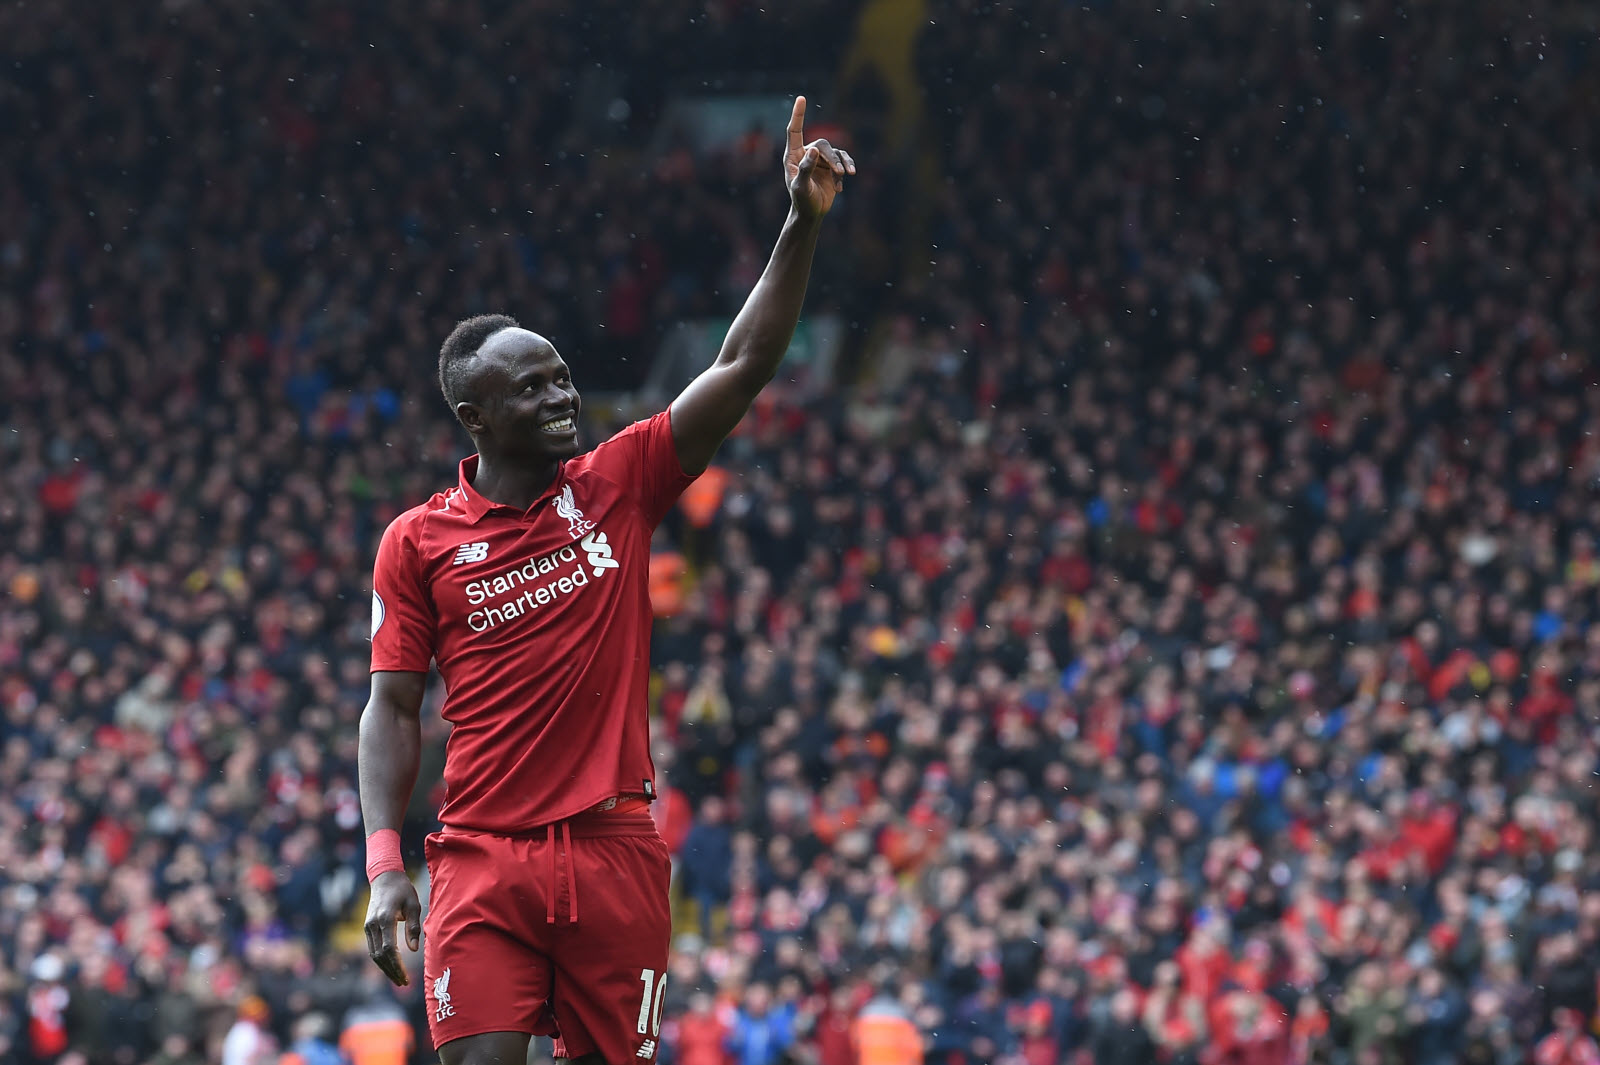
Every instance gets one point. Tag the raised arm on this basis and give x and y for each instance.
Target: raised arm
(713, 403)
(387, 755)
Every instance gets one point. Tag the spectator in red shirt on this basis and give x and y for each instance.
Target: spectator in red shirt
(1175, 1019)
(1038, 1042)
(835, 1045)
(702, 1035)
(1252, 1030)
(1569, 1044)
(1204, 961)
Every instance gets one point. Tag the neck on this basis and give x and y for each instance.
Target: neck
(512, 484)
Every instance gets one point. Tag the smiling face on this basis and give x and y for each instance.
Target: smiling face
(519, 399)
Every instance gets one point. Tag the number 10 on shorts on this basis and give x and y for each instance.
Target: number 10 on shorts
(655, 991)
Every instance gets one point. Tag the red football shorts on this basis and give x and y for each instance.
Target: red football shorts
(562, 933)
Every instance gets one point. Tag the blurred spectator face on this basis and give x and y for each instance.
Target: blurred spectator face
(1430, 982)
(1124, 1007)
(311, 1026)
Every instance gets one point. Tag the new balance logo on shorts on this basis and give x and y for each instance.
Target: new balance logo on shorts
(647, 1049)
(599, 553)
(441, 997)
(471, 553)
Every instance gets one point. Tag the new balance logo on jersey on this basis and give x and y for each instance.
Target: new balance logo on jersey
(471, 553)
(599, 552)
(647, 1049)
(441, 997)
(567, 507)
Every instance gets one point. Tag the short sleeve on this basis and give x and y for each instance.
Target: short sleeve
(644, 460)
(403, 623)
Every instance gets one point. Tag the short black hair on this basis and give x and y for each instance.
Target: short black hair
(460, 346)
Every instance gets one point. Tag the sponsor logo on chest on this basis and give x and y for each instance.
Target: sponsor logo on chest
(539, 580)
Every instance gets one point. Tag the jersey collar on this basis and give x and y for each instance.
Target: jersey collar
(477, 506)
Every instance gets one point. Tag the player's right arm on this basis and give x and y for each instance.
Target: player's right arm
(389, 749)
(387, 756)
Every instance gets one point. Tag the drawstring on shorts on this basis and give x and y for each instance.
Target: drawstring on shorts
(552, 900)
(572, 872)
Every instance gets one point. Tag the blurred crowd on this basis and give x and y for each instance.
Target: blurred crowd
(1177, 647)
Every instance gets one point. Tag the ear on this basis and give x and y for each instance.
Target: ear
(471, 416)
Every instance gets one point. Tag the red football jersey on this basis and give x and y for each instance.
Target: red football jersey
(539, 621)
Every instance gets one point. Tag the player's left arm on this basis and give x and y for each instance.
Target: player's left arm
(713, 403)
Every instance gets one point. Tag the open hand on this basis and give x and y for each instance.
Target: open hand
(815, 172)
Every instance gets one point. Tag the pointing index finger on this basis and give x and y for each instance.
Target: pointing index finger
(797, 120)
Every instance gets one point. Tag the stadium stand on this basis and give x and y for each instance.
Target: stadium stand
(1179, 645)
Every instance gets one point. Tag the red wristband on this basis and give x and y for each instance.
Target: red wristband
(383, 854)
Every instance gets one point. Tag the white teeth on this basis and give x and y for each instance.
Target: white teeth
(559, 425)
